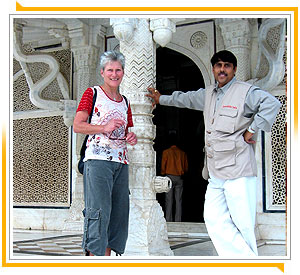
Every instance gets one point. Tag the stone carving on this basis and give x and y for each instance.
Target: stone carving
(157, 231)
(279, 155)
(162, 29)
(162, 184)
(236, 35)
(41, 164)
(41, 32)
(147, 227)
(271, 39)
(52, 74)
(21, 101)
(198, 40)
(86, 59)
(123, 28)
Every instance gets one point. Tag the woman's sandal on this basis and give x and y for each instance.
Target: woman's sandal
(88, 253)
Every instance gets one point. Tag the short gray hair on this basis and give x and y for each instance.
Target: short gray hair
(110, 56)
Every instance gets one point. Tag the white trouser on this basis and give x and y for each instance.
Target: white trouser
(229, 214)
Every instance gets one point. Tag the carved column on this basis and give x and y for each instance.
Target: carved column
(147, 226)
(236, 35)
(86, 44)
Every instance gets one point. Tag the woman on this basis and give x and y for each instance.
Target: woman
(106, 191)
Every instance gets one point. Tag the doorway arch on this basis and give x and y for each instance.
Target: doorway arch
(207, 74)
(175, 71)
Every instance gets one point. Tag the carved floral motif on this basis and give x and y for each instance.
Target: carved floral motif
(198, 40)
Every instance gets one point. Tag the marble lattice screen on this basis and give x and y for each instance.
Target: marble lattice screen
(41, 145)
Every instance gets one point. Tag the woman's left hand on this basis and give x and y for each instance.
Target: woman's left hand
(131, 138)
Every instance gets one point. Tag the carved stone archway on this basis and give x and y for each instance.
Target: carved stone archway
(207, 76)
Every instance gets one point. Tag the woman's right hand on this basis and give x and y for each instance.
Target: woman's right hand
(81, 125)
(112, 125)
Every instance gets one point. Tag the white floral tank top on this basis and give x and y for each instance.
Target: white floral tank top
(110, 146)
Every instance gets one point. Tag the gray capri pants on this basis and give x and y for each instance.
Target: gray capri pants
(106, 201)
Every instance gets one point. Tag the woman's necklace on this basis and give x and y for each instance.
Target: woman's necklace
(110, 94)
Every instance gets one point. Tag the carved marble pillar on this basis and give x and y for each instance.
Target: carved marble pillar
(236, 34)
(85, 64)
(147, 226)
(86, 46)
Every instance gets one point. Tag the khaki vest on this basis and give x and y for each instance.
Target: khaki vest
(228, 156)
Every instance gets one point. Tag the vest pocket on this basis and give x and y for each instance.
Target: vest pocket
(224, 154)
(226, 120)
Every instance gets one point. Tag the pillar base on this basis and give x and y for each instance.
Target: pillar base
(148, 234)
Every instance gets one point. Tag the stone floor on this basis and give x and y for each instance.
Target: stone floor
(55, 243)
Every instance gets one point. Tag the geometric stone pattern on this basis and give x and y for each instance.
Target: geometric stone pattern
(263, 67)
(279, 155)
(16, 66)
(52, 92)
(285, 64)
(53, 246)
(64, 59)
(41, 162)
(37, 70)
(273, 38)
(21, 101)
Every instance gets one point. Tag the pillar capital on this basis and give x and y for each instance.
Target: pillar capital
(236, 32)
(237, 36)
(123, 28)
(162, 29)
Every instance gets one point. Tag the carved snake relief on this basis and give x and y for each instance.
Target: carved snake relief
(35, 89)
(274, 57)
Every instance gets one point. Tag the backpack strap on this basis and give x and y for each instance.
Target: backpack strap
(83, 147)
(94, 101)
(126, 100)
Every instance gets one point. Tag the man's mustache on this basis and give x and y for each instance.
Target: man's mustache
(222, 73)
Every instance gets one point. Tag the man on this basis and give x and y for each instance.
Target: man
(174, 164)
(233, 113)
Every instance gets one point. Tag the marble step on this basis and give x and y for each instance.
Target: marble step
(186, 229)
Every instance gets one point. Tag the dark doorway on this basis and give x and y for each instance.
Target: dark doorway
(175, 71)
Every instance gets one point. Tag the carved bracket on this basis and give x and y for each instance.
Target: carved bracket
(123, 28)
(162, 184)
(162, 29)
